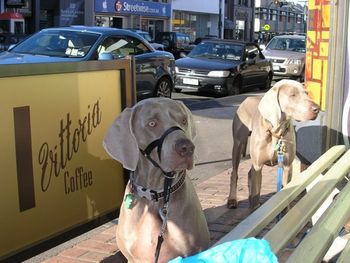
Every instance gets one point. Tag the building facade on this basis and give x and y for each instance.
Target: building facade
(197, 17)
(239, 20)
(231, 19)
(151, 16)
(271, 19)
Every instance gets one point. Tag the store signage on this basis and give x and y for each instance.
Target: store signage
(72, 12)
(131, 7)
(55, 173)
(266, 27)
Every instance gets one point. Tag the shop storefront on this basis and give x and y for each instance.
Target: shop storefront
(195, 18)
(152, 17)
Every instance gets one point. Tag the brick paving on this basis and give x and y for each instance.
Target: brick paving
(212, 193)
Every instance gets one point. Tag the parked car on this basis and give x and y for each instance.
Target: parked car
(7, 39)
(148, 37)
(287, 54)
(200, 39)
(177, 43)
(223, 66)
(155, 70)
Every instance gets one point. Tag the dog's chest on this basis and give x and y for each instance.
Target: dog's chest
(284, 149)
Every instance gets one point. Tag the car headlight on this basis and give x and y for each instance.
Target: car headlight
(176, 69)
(219, 73)
(294, 61)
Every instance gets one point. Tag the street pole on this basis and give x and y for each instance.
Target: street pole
(220, 18)
(268, 21)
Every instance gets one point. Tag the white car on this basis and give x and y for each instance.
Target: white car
(287, 54)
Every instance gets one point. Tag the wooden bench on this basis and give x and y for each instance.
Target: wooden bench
(325, 173)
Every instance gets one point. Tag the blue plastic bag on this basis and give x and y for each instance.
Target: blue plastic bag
(250, 250)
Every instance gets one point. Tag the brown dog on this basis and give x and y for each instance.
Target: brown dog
(154, 139)
(268, 119)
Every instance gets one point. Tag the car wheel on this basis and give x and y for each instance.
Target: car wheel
(164, 88)
(235, 88)
(267, 85)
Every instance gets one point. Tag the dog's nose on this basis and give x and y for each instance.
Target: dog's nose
(184, 147)
(315, 108)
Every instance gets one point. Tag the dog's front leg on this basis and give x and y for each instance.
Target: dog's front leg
(254, 185)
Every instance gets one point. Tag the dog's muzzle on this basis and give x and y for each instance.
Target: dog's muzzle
(159, 144)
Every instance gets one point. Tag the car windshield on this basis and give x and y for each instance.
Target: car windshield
(146, 36)
(58, 43)
(288, 44)
(218, 50)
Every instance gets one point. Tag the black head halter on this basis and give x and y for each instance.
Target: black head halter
(158, 144)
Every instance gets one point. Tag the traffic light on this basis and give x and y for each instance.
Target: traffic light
(280, 3)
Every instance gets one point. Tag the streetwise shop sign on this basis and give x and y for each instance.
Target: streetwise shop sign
(132, 7)
(55, 172)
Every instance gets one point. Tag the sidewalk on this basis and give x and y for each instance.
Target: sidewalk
(213, 192)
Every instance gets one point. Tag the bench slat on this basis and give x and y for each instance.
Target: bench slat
(288, 227)
(317, 242)
(261, 217)
(345, 255)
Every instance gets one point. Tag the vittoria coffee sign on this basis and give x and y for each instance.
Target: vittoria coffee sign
(54, 167)
(55, 159)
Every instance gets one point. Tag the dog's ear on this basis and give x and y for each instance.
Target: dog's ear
(269, 106)
(120, 142)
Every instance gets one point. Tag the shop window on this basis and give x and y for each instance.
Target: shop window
(4, 26)
(243, 2)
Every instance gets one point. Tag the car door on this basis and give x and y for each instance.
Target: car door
(253, 70)
(121, 46)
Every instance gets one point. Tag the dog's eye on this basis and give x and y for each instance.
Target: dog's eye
(152, 123)
(184, 121)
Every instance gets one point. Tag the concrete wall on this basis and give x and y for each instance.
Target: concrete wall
(211, 7)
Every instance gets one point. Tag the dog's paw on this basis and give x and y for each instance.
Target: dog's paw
(231, 204)
(254, 202)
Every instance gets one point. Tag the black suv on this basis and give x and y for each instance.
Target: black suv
(175, 42)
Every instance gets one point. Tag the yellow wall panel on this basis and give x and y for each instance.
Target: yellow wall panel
(325, 35)
(324, 49)
(314, 89)
(326, 16)
(317, 69)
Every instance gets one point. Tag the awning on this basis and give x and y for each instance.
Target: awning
(10, 15)
(228, 24)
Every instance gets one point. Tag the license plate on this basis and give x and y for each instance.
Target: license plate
(190, 81)
(276, 67)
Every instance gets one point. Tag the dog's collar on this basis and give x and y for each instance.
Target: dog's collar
(280, 131)
(153, 195)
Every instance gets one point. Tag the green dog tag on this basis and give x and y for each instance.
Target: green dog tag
(129, 201)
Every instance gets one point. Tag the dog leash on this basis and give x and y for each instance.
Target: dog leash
(280, 148)
(163, 213)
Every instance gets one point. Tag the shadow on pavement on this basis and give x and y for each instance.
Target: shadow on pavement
(222, 220)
